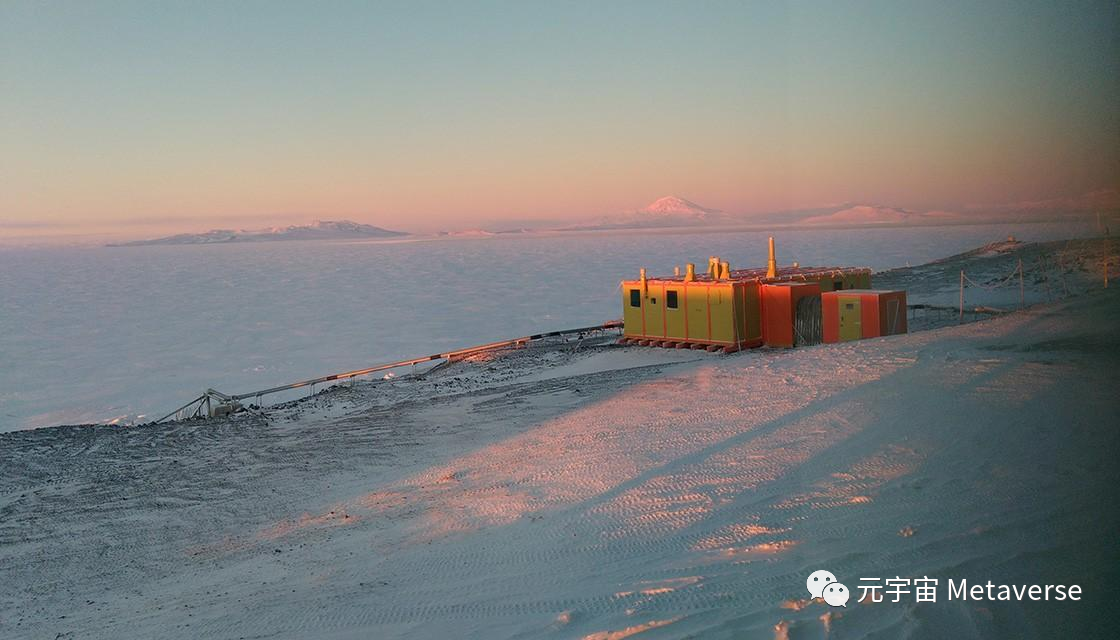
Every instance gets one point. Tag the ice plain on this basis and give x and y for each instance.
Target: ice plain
(126, 334)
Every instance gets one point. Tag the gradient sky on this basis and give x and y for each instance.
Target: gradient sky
(420, 115)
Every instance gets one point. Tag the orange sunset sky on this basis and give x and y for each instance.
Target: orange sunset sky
(138, 117)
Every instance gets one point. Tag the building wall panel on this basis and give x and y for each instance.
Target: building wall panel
(631, 316)
(698, 312)
(674, 317)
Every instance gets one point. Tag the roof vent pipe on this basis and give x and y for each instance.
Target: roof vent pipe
(689, 272)
(772, 263)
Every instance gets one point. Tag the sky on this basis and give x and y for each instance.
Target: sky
(429, 115)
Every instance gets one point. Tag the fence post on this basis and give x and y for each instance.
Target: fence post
(960, 318)
(1022, 295)
(1046, 275)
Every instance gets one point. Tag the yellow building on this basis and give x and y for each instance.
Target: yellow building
(719, 309)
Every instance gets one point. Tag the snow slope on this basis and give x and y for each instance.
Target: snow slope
(585, 490)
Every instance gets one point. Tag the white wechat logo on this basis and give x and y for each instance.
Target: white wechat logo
(836, 595)
(823, 584)
(817, 581)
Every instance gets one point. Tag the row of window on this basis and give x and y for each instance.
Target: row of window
(671, 296)
(636, 299)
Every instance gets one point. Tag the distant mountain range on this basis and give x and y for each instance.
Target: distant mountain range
(318, 230)
(672, 212)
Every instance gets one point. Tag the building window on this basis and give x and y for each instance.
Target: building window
(671, 299)
(635, 298)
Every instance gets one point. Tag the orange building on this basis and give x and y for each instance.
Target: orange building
(783, 304)
(722, 309)
(862, 313)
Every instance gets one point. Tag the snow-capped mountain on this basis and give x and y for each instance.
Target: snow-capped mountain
(669, 211)
(318, 230)
(674, 206)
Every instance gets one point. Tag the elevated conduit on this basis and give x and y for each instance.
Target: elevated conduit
(204, 405)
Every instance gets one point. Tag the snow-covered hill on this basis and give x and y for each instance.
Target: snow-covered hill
(878, 214)
(318, 230)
